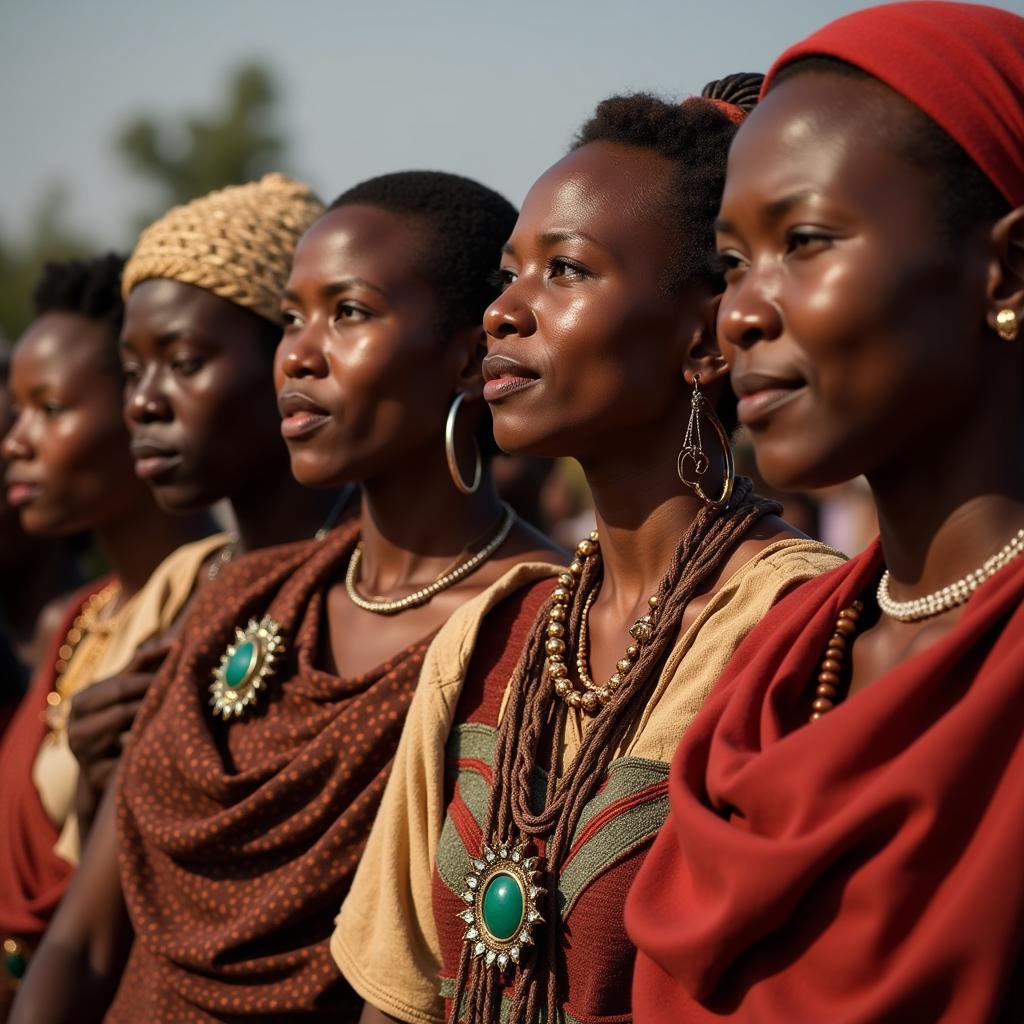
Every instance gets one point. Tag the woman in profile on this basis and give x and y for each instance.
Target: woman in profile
(846, 827)
(531, 775)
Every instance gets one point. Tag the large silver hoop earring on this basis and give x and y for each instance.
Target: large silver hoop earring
(449, 451)
(693, 457)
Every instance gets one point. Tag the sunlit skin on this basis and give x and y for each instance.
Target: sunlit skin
(200, 405)
(68, 465)
(592, 356)
(860, 338)
(365, 380)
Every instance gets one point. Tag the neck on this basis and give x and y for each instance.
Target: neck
(135, 546)
(415, 523)
(642, 512)
(279, 510)
(936, 524)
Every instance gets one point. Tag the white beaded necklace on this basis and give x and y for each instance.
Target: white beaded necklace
(948, 597)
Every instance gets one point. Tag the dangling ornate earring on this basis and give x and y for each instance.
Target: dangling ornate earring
(694, 454)
(449, 450)
(1007, 324)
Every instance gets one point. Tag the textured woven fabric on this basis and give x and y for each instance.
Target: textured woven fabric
(238, 840)
(237, 242)
(962, 64)
(860, 869)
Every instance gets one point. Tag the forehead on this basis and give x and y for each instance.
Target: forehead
(606, 190)
(60, 345)
(361, 241)
(160, 306)
(827, 136)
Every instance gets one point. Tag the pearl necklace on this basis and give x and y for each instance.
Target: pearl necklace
(424, 594)
(594, 696)
(948, 597)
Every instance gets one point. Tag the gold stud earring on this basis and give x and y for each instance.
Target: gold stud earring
(1007, 324)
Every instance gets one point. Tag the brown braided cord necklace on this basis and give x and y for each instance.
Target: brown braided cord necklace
(531, 714)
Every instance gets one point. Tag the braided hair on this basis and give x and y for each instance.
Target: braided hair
(532, 712)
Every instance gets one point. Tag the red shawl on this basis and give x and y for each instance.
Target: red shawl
(32, 877)
(865, 868)
(238, 841)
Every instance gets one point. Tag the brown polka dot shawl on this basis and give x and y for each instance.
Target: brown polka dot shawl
(238, 841)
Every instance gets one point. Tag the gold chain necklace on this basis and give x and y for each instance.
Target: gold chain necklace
(82, 624)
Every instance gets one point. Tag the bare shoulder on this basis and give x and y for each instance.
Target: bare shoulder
(768, 530)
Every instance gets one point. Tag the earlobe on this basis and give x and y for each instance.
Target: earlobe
(703, 353)
(1005, 313)
(470, 346)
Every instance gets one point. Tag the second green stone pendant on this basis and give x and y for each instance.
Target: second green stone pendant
(502, 896)
(245, 666)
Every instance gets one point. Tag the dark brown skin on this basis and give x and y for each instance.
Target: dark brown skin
(878, 335)
(68, 464)
(200, 392)
(36, 573)
(361, 344)
(585, 310)
(363, 368)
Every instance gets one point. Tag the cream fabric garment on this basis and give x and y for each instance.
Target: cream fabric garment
(152, 610)
(385, 941)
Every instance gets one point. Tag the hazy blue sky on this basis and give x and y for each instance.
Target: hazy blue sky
(492, 90)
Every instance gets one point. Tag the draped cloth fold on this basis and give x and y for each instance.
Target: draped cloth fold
(238, 840)
(864, 868)
(32, 876)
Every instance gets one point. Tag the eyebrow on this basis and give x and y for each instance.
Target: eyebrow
(335, 287)
(554, 237)
(771, 212)
(161, 340)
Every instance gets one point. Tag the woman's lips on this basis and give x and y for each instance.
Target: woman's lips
(22, 494)
(152, 466)
(302, 424)
(154, 460)
(754, 409)
(761, 394)
(502, 387)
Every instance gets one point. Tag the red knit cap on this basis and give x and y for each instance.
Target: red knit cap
(962, 64)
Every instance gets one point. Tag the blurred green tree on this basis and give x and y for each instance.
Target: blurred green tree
(189, 157)
(21, 263)
(185, 156)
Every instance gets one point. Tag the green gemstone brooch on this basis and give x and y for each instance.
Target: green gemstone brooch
(245, 666)
(502, 896)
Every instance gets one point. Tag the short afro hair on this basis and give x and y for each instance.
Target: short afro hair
(964, 195)
(90, 288)
(695, 136)
(468, 224)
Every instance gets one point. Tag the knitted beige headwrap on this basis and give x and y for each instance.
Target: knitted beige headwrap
(237, 242)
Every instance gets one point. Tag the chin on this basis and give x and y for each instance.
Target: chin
(788, 469)
(182, 498)
(319, 474)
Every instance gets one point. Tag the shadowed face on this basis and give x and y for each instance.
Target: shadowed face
(69, 468)
(853, 327)
(199, 398)
(586, 343)
(364, 378)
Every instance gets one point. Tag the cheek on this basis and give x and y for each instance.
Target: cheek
(86, 452)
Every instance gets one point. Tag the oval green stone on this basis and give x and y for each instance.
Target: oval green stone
(15, 965)
(241, 664)
(503, 906)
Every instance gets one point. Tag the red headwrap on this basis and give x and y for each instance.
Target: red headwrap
(962, 64)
